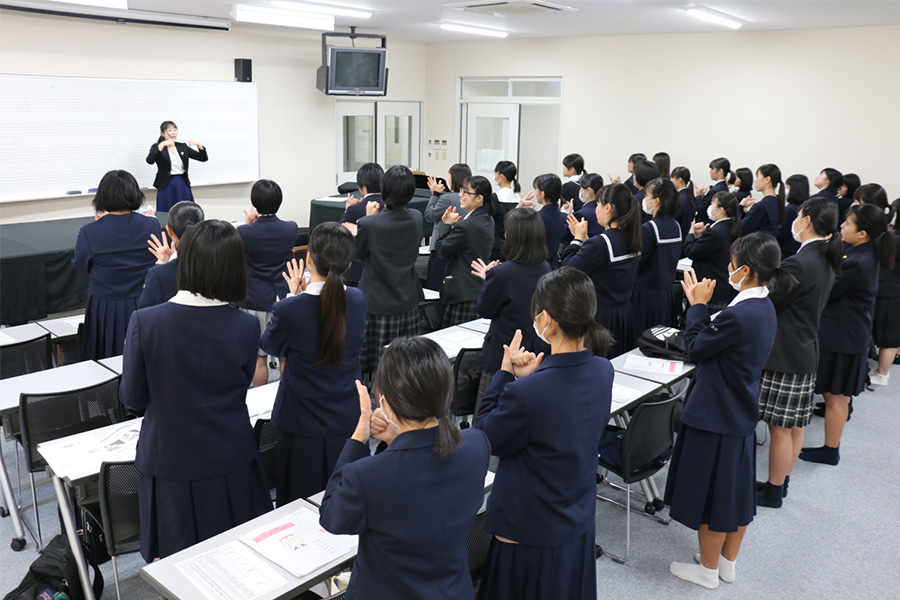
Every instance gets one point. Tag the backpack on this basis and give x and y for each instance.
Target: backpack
(663, 342)
(55, 570)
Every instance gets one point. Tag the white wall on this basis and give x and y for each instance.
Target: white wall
(801, 99)
(296, 123)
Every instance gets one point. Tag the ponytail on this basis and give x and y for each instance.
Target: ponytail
(762, 255)
(598, 339)
(449, 436)
(331, 249)
(728, 202)
(780, 202)
(872, 219)
(508, 170)
(628, 213)
(782, 279)
(684, 174)
(886, 245)
(823, 217)
(774, 174)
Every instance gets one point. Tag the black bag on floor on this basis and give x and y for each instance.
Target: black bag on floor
(55, 570)
(663, 342)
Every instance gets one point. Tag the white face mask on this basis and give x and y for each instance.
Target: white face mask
(709, 212)
(381, 405)
(736, 286)
(646, 207)
(796, 234)
(540, 334)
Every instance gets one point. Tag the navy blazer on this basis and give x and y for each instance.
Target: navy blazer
(701, 204)
(469, 239)
(555, 227)
(160, 284)
(685, 213)
(412, 510)
(730, 353)
(660, 251)
(268, 245)
(609, 265)
(588, 213)
(763, 217)
(546, 429)
(571, 192)
(164, 163)
(889, 281)
(785, 239)
(711, 253)
(629, 183)
(505, 299)
(828, 195)
(388, 245)
(357, 211)
(846, 324)
(315, 401)
(500, 210)
(187, 368)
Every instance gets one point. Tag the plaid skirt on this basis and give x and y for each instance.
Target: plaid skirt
(461, 312)
(380, 331)
(786, 399)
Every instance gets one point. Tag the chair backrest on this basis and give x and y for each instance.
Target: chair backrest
(649, 435)
(119, 507)
(680, 390)
(466, 377)
(422, 267)
(477, 545)
(267, 444)
(26, 357)
(431, 315)
(46, 417)
(339, 596)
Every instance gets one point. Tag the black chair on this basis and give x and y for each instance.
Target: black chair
(119, 511)
(466, 378)
(26, 357)
(267, 444)
(477, 545)
(46, 417)
(422, 268)
(348, 187)
(638, 453)
(431, 315)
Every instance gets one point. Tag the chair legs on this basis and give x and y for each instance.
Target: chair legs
(37, 515)
(628, 508)
(116, 578)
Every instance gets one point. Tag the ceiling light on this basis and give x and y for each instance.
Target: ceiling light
(475, 30)
(284, 18)
(337, 11)
(122, 4)
(711, 16)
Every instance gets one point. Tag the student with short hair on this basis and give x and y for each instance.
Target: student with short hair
(161, 282)
(268, 244)
(681, 177)
(442, 199)
(547, 194)
(645, 171)
(573, 171)
(718, 170)
(850, 183)
(767, 214)
(368, 182)
(828, 182)
(629, 183)
(797, 193)
(709, 247)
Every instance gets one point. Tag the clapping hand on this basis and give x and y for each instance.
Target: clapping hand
(747, 203)
(616, 179)
(294, 276)
(699, 191)
(451, 217)
(527, 201)
(351, 227)
(568, 207)
(435, 186)
(697, 229)
(697, 292)
(578, 229)
(161, 250)
(479, 269)
(372, 207)
(363, 430)
(517, 360)
(351, 200)
(251, 215)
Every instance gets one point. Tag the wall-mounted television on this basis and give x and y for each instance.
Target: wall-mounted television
(353, 72)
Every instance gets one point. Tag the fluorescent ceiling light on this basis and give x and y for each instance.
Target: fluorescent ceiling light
(711, 16)
(122, 4)
(285, 18)
(475, 30)
(337, 11)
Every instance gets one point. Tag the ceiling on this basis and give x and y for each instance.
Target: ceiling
(418, 20)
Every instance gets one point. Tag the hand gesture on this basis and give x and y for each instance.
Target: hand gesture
(161, 250)
(578, 229)
(372, 207)
(517, 360)
(699, 192)
(479, 269)
(527, 201)
(381, 429)
(451, 217)
(697, 292)
(351, 227)
(165, 144)
(294, 276)
(698, 228)
(435, 186)
(251, 215)
(568, 207)
(98, 214)
(747, 203)
(616, 179)
(363, 429)
(351, 200)
(194, 143)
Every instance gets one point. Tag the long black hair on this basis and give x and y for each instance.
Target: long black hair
(569, 297)
(508, 170)
(628, 213)
(684, 174)
(823, 218)
(774, 173)
(761, 253)
(331, 249)
(728, 202)
(874, 222)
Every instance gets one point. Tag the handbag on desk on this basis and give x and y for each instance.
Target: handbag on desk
(663, 342)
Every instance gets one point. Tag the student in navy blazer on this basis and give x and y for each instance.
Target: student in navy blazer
(161, 282)
(544, 416)
(886, 322)
(591, 184)
(645, 171)
(268, 245)
(187, 366)
(320, 334)
(847, 191)
(681, 177)
(711, 485)
(767, 214)
(573, 171)
(368, 182)
(547, 189)
(797, 193)
(709, 247)
(413, 503)
(828, 182)
(442, 199)
(742, 183)
(172, 160)
(718, 171)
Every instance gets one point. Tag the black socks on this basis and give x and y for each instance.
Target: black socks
(825, 455)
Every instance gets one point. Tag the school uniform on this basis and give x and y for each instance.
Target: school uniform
(160, 284)
(886, 321)
(412, 509)
(763, 217)
(588, 213)
(613, 270)
(652, 298)
(711, 253)
(846, 325)
(544, 494)
(685, 213)
(629, 183)
(470, 238)
(789, 246)
(789, 376)
(112, 252)
(843, 204)
(268, 246)
(187, 366)
(741, 195)
(172, 182)
(829, 195)
(434, 212)
(316, 407)
(388, 245)
(555, 226)
(353, 214)
(571, 192)
(712, 478)
(500, 210)
(702, 204)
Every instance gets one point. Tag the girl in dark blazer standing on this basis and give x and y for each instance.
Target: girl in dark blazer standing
(320, 334)
(388, 244)
(767, 214)
(611, 261)
(546, 194)
(171, 159)
(789, 377)
(652, 298)
(846, 325)
(573, 171)
(886, 323)
(681, 177)
(442, 199)
(709, 247)
(505, 297)
(828, 182)
(469, 238)
(591, 184)
(743, 183)
(797, 194)
(718, 171)
(412, 504)
(187, 366)
(711, 485)
(542, 505)
(161, 282)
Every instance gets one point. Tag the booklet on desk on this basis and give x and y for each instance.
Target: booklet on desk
(660, 366)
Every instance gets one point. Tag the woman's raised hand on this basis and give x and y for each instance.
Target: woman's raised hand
(479, 269)
(451, 217)
(363, 430)
(435, 186)
(294, 276)
(697, 292)
(161, 250)
(251, 215)
(517, 360)
(578, 229)
(372, 207)
(381, 429)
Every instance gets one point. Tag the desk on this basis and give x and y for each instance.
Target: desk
(479, 325)
(113, 363)
(663, 378)
(453, 339)
(20, 333)
(63, 327)
(630, 391)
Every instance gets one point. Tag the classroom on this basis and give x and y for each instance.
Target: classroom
(803, 84)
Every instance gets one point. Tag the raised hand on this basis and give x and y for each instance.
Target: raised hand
(479, 269)
(578, 229)
(351, 200)
(451, 217)
(294, 276)
(568, 207)
(160, 249)
(698, 228)
(616, 179)
(363, 430)
(697, 292)
(351, 227)
(251, 215)
(517, 360)
(372, 207)
(381, 429)
(527, 201)
(435, 186)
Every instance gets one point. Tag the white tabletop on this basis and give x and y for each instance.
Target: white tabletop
(63, 326)
(113, 363)
(424, 250)
(21, 333)
(629, 391)
(431, 294)
(61, 379)
(453, 339)
(479, 325)
(657, 376)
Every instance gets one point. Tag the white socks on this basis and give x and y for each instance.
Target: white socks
(726, 568)
(708, 578)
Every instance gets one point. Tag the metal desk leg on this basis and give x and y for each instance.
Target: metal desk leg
(18, 542)
(74, 543)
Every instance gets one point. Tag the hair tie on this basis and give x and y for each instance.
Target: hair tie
(443, 413)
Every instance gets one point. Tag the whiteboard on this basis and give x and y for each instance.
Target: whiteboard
(60, 135)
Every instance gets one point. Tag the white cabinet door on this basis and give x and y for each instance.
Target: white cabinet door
(492, 135)
(397, 139)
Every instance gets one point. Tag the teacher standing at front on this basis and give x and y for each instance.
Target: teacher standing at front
(171, 159)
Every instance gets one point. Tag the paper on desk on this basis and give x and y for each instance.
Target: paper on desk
(75, 322)
(260, 401)
(659, 366)
(6, 339)
(298, 544)
(230, 572)
(622, 394)
(83, 454)
(684, 265)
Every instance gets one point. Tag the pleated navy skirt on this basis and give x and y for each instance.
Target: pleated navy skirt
(304, 464)
(105, 325)
(179, 514)
(176, 191)
(651, 308)
(712, 480)
(886, 323)
(841, 374)
(523, 572)
(619, 321)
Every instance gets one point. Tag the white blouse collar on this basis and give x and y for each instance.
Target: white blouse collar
(810, 240)
(754, 292)
(186, 298)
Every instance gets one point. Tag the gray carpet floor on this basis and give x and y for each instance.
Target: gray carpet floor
(835, 537)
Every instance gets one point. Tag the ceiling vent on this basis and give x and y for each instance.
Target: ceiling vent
(511, 8)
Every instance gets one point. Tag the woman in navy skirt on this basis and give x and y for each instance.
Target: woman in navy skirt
(112, 252)
(544, 417)
(611, 261)
(711, 486)
(320, 333)
(187, 366)
(846, 325)
(652, 298)
(767, 214)
(886, 329)
(171, 158)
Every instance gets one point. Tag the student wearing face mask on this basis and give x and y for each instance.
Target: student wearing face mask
(709, 247)
(681, 177)
(797, 194)
(718, 170)
(591, 184)
(766, 215)
(546, 195)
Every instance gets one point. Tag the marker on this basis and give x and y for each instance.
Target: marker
(92, 190)
(73, 193)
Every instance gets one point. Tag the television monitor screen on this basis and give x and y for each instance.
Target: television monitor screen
(357, 70)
